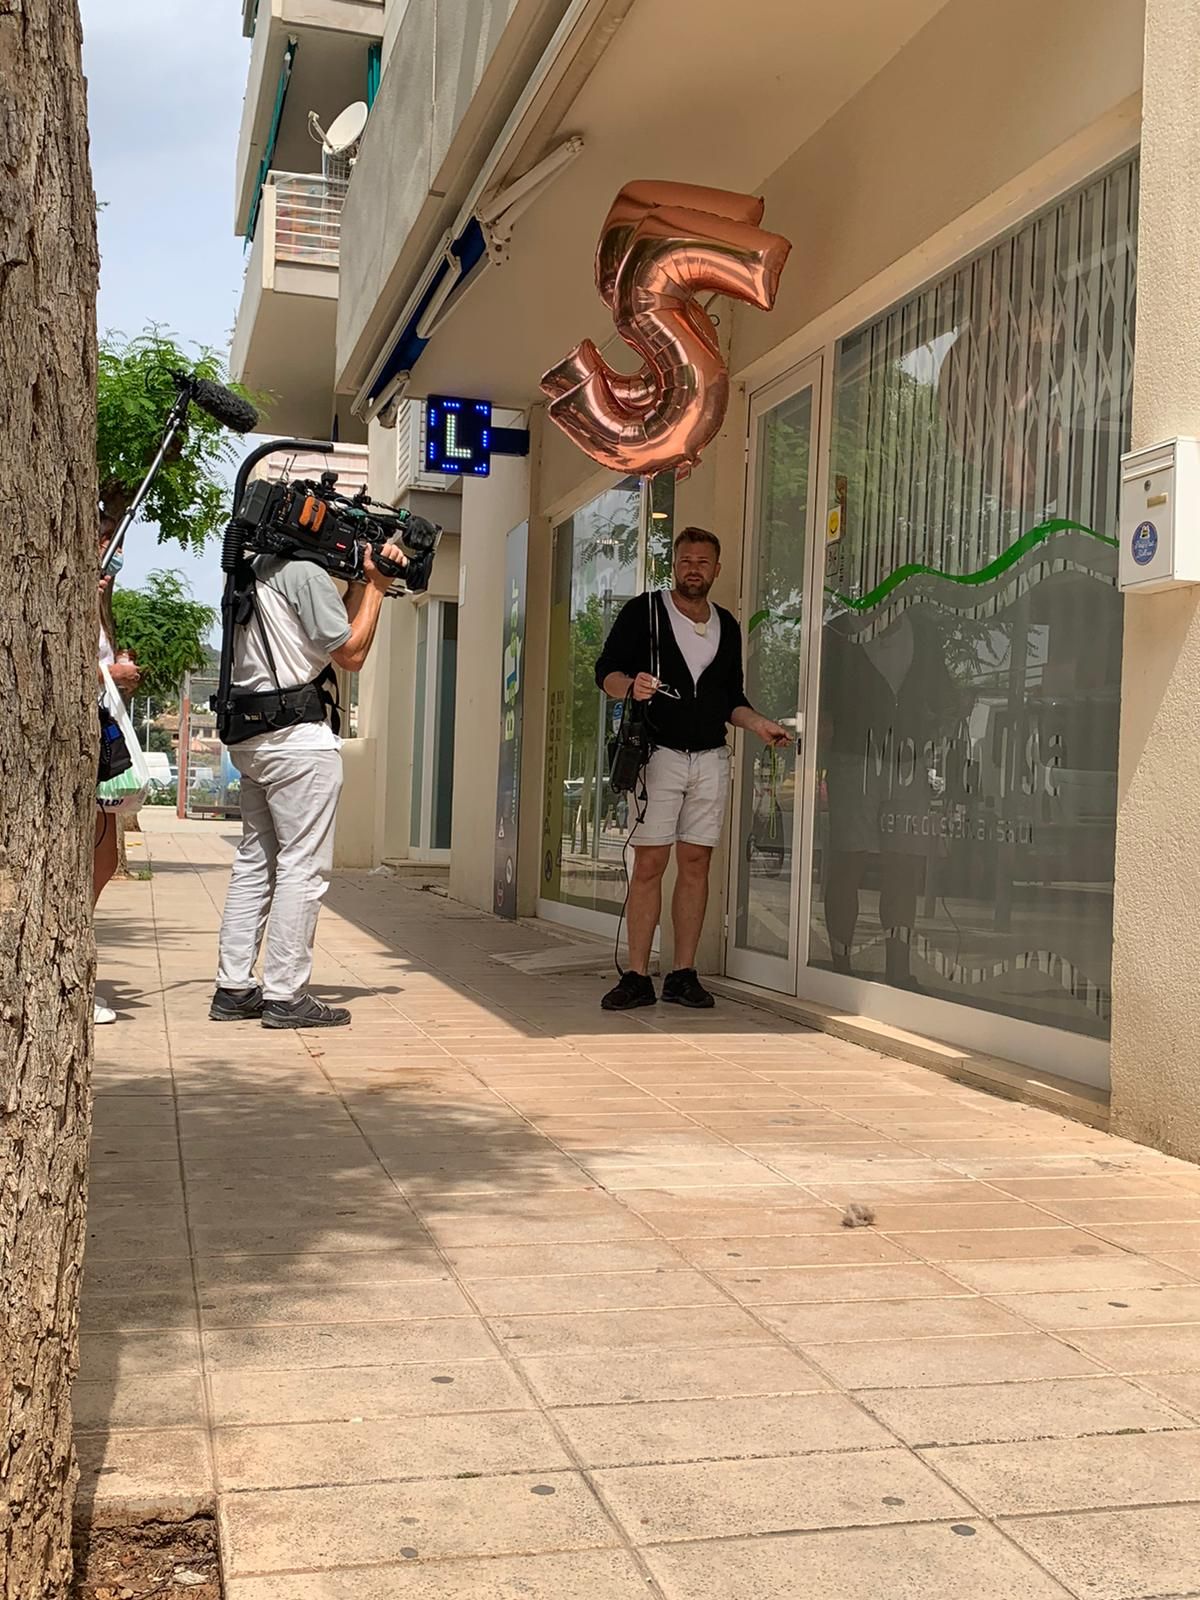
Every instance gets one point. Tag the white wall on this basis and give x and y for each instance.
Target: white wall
(981, 95)
(393, 17)
(354, 842)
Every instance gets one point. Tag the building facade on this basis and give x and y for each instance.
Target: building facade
(983, 835)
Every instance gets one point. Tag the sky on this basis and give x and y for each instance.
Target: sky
(165, 86)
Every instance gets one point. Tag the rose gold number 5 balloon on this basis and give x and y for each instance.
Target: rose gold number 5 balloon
(662, 245)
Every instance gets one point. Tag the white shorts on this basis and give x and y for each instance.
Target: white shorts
(686, 797)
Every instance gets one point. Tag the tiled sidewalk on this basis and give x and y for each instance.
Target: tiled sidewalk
(495, 1296)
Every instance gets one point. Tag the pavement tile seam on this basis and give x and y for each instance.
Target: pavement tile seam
(1008, 1518)
(447, 1565)
(352, 1367)
(801, 1531)
(702, 1458)
(232, 1491)
(715, 1539)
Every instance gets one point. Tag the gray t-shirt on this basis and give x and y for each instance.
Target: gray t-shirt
(305, 622)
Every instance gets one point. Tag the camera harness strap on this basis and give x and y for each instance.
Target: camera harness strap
(641, 798)
(325, 683)
(652, 602)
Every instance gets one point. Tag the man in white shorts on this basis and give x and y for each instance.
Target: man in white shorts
(698, 691)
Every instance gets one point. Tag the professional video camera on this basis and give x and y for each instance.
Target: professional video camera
(306, 520)
(303, 520)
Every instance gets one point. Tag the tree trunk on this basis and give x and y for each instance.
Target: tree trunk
(48, 624)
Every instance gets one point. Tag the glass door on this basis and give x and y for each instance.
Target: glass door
(769, 815)
(433, 734)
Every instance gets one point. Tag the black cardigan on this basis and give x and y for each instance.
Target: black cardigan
(697, 720)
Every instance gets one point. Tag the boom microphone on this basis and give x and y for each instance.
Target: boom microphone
(225, 407)
(229, 409)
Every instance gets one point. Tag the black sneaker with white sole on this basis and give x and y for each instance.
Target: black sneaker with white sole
(304, 1012)
(236, 1005)
(683, 988)
(634, 989)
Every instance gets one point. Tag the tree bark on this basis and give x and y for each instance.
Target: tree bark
(48, 624)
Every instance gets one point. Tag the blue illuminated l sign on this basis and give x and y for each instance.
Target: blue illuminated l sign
(460, 438)
(458, 435)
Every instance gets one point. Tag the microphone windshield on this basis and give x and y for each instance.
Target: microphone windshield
(229, 409)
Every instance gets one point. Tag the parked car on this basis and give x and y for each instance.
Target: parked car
(161, 772)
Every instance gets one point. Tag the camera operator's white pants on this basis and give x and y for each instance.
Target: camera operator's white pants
(282, 868)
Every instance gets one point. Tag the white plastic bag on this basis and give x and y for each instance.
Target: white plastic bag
(126, 792)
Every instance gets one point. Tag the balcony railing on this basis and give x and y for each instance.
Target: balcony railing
(308, 217)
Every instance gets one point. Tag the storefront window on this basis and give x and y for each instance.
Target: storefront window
(420, 699)
(433, 732)
(603, 556)
(443, 734)
(971, 649)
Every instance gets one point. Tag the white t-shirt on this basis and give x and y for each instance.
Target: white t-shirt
(699, 650)
(305, 622)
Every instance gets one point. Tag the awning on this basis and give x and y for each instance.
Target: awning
(285, 74)
(467, 251)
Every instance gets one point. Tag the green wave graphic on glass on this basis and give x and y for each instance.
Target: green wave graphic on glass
(916, 569)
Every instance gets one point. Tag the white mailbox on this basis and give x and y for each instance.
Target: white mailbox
(1160, 516)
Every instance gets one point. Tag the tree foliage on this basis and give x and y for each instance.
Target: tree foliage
(166, 630)
(135, 390)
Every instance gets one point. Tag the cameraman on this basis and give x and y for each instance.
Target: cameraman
(291, 780)
(687, 777)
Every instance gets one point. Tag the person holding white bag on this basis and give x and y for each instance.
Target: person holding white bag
(125, 676)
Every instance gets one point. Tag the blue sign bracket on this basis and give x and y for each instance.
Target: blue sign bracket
(510, 441)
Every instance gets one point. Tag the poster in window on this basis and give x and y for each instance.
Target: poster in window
(512, 685)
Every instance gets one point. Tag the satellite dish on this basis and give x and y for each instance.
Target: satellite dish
(339, 147)
(346, 129)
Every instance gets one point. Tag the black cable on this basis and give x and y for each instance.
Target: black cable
(638, 818)
(105, 818)
(643, 800)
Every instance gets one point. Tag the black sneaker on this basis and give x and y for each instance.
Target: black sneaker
(236, 1005)
(304, 1012)
(683, 988)
(634, 989)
